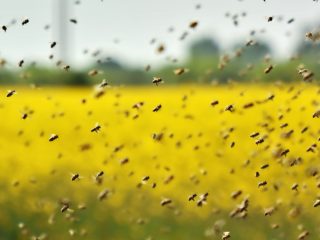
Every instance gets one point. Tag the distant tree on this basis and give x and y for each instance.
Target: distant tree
(206, 47)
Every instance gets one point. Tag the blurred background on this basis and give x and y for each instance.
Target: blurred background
(122, 39)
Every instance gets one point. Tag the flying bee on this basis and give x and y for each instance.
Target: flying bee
(75, 177)
(215, 102)
(53, 44)
(165, 201)
(65, 207)
(259, 141)
(304, 130)
(72, 20)
(103, 194)
(236, 194)
(225, 235)
(271, 97)
(157, 108)
(248, 105)
(96, 128)
(24, 116)
(66, 67)
(193, 24)
(263, 183)
(285, 152)
(145, 179)
(179, 71)
(124, 161)
(255, 134)
(270, 19)
(264, 166)
(21, 63)
(268, 69)
(232, 144)
(11, 93)
(284, 125)
(157, 80)
(192, 197)
(93, 72)
(4, 28)
(25, 21)
(53, 137)
(103, 84)
(295, 186)
(138, 105)
(316, 203)
(229, 108)
(316, 114)
(303, 235)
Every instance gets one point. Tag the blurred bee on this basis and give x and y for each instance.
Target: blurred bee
(193, 24)
(11, 93)
(316, 114)
(303, 235)
(96, 128)
(24, 116)
(264, 166)
(268, 69)
(214, 103)
(53, 44)
(93, 72)
(229, 108)
(145, 179)
(157, 108)
(4, 28)
(179, 71)
(75, 177)
(124, 161)
(165, 202)
(65, 207)
(259, 141)
(24, 22)
(138, 105)
(103, 194)
(255, 134)
(157, 80)
(53, 137)
(285, 152)
(66, 67)
(192, 197)
(236, 194)
(225, 235)
(103, 84)
(316, 203)
(73, 20)
(263, 183)
(21, 63)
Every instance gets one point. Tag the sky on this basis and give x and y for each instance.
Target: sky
(123, 29)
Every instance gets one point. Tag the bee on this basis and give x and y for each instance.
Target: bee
(316, 114)
(73, 20)
(193, 24)
(179, 71)
(259, 141)
(232, 144)
(316, 203)
(284, 125)
(257, 174)
(93, 72)
(146, 178)
(269, 211)
(103, 84)
(255, 134)
(124, 161)
(157, 80)
(295, 186)
(65, 207)
(75, 177)
(160, 48)
(291, 20)
(264, 166)
(96, 128)
(157, 108)
(154, 185)
(226, 235)
(268, 69)
(147, 68)
(192, 197)
(4, 28)
(285, 152)
(53, 137)
(11, 93)
(24, 116)
(236, 194)
(103, 194)
(21, 63)
(165, 202)
(263, 183)
(66, 67)
(248, 105)
(214, 103)
(229, 108)
(271, 97)
(304, 130)
(303, 235)
(53, 44)
(270, 19)
(99, 174)
(24, 22)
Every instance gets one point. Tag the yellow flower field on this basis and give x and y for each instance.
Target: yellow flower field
(237, 158)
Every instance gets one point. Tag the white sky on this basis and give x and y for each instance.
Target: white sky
(136, 22)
